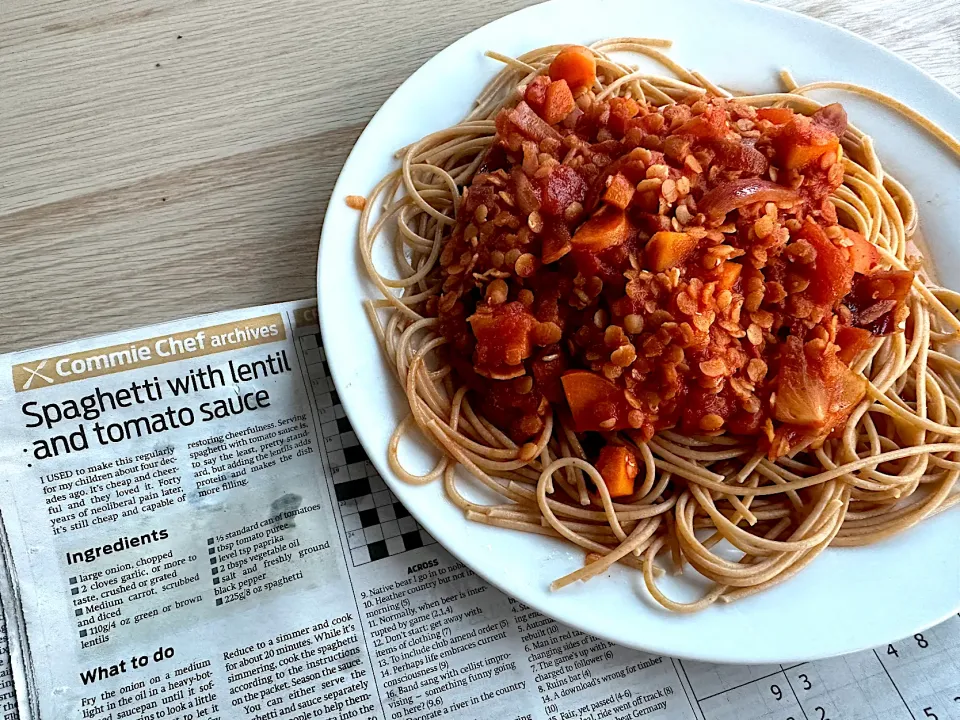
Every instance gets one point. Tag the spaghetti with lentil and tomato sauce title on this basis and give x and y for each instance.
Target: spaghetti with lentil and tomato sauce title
(651, 315)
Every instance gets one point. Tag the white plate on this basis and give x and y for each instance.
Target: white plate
(846, 600)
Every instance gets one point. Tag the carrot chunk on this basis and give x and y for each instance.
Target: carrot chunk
(595, 402)
(558, 102)
(776, 115)
(668, 249)
(619, 192)
(618, 466)
(575, 64)
(802, 142)
(729, 273)
(607, 228)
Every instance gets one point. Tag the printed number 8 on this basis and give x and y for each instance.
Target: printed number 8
(921, 641)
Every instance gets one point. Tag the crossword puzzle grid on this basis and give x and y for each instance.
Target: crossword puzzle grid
(917, 678)
(377, 525)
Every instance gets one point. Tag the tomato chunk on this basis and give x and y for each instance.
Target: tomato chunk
(852, 341)
(607, 228)
(595, 402)
(575, 64)
(668, 249)
(556, 242)
(701, 403)
(503, 339)
(815, 389)
(622, 109)
(711, 124)
(536, 93)
(618, 466)
(832, 271)
(619, 192)
(561, 188)
(741, 156)
(863, 253)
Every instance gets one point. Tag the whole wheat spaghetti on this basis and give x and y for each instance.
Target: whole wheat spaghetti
(724, 445)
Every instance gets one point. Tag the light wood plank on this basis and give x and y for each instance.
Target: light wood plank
(161, 158)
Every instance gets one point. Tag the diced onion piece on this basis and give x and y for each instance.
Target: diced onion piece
(737, 193)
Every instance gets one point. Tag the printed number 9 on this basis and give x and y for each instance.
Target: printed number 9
(777, 692)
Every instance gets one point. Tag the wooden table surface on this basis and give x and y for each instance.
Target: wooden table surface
(164, 158)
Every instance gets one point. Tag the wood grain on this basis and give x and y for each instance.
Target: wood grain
(163, 158)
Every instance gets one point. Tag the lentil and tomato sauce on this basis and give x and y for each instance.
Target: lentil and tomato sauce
(639, 268)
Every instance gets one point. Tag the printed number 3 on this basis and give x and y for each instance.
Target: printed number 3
(806, 682)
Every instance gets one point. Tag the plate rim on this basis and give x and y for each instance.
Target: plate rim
(419, 513)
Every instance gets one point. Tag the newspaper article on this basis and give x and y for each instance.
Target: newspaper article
(192, 530)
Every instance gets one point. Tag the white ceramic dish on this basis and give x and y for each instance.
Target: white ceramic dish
(848, 599)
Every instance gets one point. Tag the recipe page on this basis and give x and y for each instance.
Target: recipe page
(192, 530)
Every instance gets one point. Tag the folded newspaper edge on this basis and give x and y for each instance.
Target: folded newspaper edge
(191, 529)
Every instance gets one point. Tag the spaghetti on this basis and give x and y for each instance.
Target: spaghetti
(780, 493)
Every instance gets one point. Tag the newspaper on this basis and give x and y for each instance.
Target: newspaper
(192, 530)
